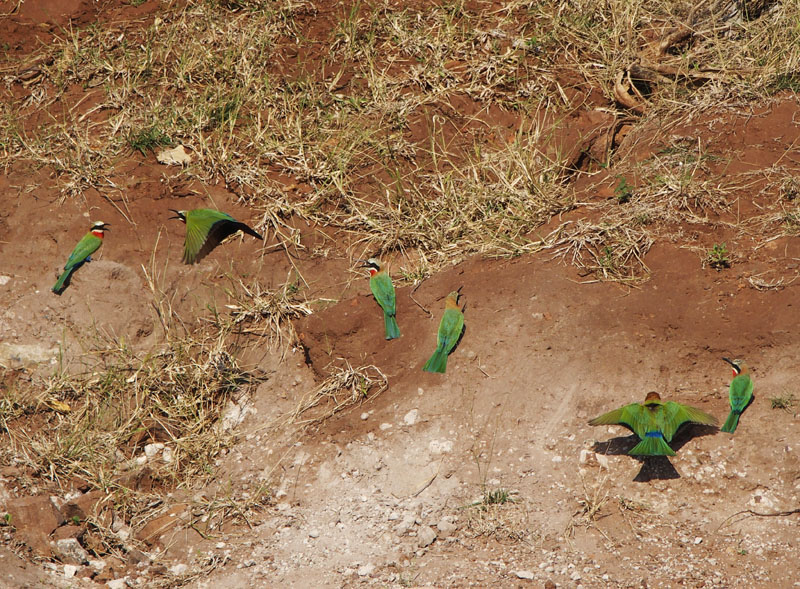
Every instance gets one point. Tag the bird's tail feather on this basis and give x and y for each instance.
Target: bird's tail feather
(392, 329)
(58, 287)
(731, 423)
(437, 362)
(251, 231)
(655, 446)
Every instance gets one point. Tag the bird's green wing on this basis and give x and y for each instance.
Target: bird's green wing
(450, 329)
(199, 223)
(85, 248)
(205, 229)
(209, 216)
(381, 286)
(632, 416)
(673, 415)
(741, 392)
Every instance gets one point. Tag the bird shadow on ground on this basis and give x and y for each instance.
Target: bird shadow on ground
(689, 432)
(653, 467)
(616, 446)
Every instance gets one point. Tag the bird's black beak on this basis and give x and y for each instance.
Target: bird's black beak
(364, 264)
(177, 214)
(732, 363)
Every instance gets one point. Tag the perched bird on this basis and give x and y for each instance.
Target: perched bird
(205, 229)
(450, 329)
(382, 288)
(82, 252)
(740, 394)
(654, 422)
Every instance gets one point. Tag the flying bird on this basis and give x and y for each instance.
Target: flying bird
(380, 283)
(82, 253)
(655, 422)
(450, 329)
(739, 395)
(205, 230)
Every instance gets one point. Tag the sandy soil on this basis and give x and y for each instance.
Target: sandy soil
(381, 494)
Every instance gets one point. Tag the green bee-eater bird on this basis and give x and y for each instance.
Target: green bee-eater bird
(450, 329)
(655, 422)
(740, 394)
(205, 229)
(82, 252)
(383, 290)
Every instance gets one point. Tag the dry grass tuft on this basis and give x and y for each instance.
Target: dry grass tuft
(591, 503)
(107, 416)
(610, 251)
(136, 426)
(500, 515)
(783, 401)
(274, 310)
(344, 388)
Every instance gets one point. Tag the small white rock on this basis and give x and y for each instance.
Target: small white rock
(411, 417)
(70, 570)
(698, 540)
(364, 416)
(405, 525)
(118, 583)
(447, 526)
(366, 570)
(151, 450)
(178, 569)
(71, 549)
(175, 156)
(123, 533)
(425, 536)
(440, 446)
(313, 533)
(385, 426)
(523, 574)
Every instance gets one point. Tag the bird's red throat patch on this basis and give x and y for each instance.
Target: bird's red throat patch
(372, 271)
(97, 233)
